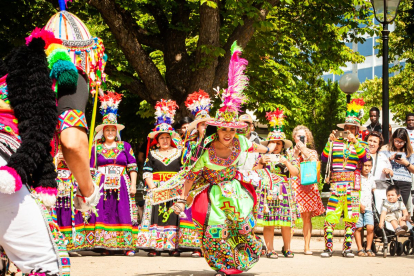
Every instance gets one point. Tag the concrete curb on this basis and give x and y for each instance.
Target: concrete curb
(299, 232)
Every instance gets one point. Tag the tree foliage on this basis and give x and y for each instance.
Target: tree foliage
(170, 48)
(401, 86)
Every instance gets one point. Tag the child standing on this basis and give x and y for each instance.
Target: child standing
(366, 217)
(394, 211)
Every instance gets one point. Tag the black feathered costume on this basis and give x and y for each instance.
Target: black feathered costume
(28, 120)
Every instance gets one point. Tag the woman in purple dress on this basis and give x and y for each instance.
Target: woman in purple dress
(70, 221)
(115, 225)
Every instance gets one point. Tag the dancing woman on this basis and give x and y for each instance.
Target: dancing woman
(223, 209)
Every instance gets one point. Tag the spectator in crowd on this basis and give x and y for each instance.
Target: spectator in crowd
(182, 126)
(379, 160)
(400, 153)
(374, 115)
(366, 217)
(248, 159)
(409, 121)
(307, 196)
(394, 211)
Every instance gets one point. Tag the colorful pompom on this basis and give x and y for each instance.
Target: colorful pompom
(56, 55)
(10, 180)
(47, 36)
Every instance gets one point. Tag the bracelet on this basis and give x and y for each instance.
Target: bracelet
(267, 150)
(409, 164)
(182, 201)
(179, 207)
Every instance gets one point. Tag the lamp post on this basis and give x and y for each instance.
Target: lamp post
(349, 84)
(385, 12)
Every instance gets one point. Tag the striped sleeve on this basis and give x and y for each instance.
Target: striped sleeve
(361, 151)
(325, 153)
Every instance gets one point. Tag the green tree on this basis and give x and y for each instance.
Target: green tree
(401, 87)
(168, 49)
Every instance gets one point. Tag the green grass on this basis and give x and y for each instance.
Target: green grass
(318, 222)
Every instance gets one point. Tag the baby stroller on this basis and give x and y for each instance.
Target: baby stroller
(387, 235)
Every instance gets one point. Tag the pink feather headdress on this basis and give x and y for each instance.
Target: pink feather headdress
(233, 97)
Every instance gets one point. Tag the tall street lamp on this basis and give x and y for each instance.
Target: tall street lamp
(349, 84)
(385, 12)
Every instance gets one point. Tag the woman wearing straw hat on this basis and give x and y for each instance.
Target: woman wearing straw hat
(116, 220)
(277, 204)
(224, 199)
(199, 104)
(158, 231)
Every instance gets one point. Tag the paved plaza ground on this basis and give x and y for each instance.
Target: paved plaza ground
(94, 264)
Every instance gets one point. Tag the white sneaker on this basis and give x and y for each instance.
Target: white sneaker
(326, 253)
(348, 254)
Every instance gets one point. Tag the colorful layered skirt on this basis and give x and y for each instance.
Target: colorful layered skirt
(225, 221)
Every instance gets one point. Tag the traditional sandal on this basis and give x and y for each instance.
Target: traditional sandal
(288, 254)
(130, 253)
(272, 255)
(264, 250)
(196, 254)
(362, 253)
(370, 253)
(174, 253)
(153, 253)
(107, 253)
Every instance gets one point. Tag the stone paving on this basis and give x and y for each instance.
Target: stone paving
(94, 264)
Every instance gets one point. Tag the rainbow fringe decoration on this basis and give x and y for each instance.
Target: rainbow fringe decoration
(355, 111)
(276, 120)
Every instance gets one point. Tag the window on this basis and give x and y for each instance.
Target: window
(378, 71)
(327, 77)
(364, 74)
(366, 48)
(376, 43)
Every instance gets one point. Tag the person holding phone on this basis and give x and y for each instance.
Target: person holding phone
(277, 204)
(344, 155)
(307, 196)
(400, 154)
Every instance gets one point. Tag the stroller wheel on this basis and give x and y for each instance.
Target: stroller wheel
(407, 247)
(384, 252)
(393, 248)
(399, 248)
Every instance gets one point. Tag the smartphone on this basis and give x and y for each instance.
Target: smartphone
(342, 134)
(274, 157)
(398, 156)
(302, 139)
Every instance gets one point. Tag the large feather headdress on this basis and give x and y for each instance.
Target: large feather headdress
(276, 122)
(109, 110)
(354, 113)
(164, 117)
(233, 97)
